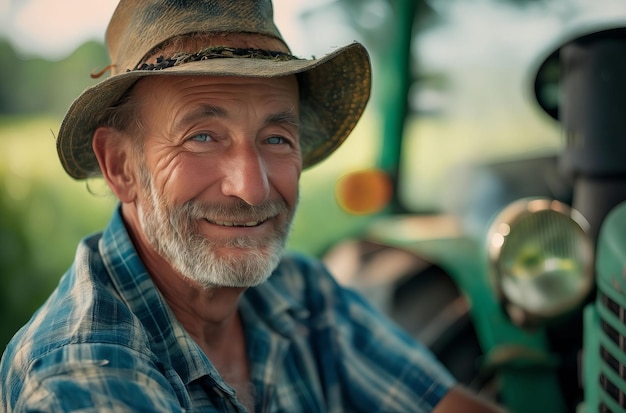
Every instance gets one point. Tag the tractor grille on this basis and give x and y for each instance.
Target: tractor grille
(613, 384)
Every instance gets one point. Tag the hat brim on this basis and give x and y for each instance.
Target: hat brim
(336, 86)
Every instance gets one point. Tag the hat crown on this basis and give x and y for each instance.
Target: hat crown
(138, 26)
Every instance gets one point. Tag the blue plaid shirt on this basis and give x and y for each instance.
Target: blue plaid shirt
(106, 340)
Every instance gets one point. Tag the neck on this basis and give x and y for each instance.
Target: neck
(212, 320)
(209, 315)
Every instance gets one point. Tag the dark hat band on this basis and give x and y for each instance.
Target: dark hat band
(219, 52)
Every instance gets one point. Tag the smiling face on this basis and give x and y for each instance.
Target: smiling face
(218, 174)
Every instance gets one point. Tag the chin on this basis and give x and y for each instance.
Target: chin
(248, 268)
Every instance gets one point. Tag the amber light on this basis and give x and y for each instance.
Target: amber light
(364, 192)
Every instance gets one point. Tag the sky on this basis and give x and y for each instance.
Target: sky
(54, 28)
(479, 28)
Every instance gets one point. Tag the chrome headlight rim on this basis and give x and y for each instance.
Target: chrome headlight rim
(503, 225)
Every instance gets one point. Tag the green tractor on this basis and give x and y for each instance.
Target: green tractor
(522, 292)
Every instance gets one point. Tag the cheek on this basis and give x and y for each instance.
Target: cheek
(286, 181)
(182, 177)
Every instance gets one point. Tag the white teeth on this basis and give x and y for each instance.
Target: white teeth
(234, 224)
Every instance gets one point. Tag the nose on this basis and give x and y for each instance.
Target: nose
(245, 176)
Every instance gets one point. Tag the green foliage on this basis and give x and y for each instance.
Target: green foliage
(35, 85)
(40, 219)
(16, 269)
(8, 75)
(43, 215)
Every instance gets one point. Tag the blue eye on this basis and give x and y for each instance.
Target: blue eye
(276, 140)
(201, 137)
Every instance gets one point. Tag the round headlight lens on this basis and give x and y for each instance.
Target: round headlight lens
(541, 259)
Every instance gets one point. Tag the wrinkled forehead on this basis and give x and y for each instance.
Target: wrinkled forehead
(174, 96)
(150, 86)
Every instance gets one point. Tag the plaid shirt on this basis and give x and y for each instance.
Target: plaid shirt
(106, 340)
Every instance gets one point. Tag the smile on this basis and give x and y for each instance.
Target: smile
(237, 224)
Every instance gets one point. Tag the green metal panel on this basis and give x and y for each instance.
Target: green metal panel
(525, 367)
(605, 323)
(591, 347)
(395, 78)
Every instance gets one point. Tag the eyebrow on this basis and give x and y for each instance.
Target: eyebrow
(202, 112)
(285, 117)
(209, 111)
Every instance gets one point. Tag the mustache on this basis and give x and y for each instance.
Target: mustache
(235, 210)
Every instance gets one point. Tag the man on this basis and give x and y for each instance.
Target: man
(201, 132)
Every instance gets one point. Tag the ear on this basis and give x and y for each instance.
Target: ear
(113, 151)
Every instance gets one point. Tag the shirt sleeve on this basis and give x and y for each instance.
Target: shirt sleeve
(381, 367)
(95, 377)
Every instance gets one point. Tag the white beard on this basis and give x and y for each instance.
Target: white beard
(173, 232)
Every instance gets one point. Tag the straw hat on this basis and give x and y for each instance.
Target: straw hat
(336, 87)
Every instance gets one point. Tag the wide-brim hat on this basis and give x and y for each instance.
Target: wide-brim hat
(336, 87)
(545, 73)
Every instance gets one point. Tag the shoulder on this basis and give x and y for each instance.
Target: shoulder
(94, 376)
(83, 310)
(84, 307)
(300, 293)
(374, 356)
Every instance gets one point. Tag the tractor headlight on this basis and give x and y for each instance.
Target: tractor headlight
(541, 259)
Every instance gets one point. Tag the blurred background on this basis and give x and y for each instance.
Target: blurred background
(469, 102)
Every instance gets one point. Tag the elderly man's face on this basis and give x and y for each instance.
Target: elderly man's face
(219, 174)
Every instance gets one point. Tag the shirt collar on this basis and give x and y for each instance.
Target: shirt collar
(167, 338)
